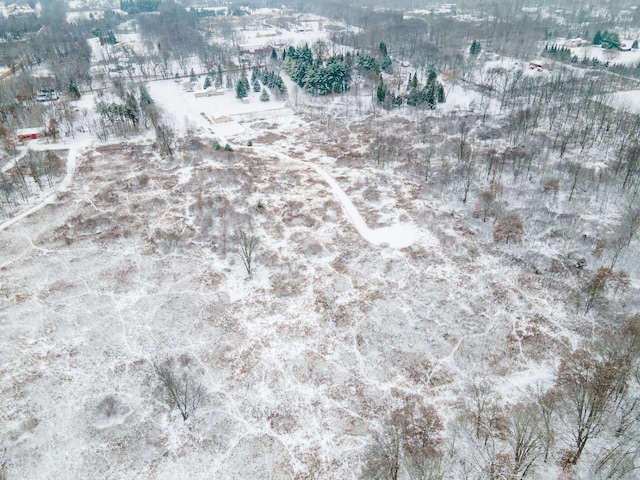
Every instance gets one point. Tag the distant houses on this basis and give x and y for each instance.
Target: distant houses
(210, 92)
(47, 96)
(535, 65)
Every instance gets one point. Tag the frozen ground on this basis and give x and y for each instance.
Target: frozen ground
(366, 296)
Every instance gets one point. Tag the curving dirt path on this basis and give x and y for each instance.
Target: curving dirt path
(396, 236)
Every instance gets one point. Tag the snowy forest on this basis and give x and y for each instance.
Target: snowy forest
(317, 240)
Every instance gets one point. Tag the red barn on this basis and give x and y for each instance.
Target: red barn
(28, 134)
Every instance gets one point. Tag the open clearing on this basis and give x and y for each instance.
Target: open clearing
(135, 265)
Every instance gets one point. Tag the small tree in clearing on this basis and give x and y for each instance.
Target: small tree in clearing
(241, 90)
(264, 97)
(508, 228)
(182, 392)
(246, 249)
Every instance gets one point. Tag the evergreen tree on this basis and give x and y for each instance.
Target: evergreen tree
(74, 91)
(634, 45)
(415, 97)
(241, 90)
(264, 97)
(441, 95)
(218, 82)
(245, 80)
(414, 80)
(386, 65)
(145, 98)
(610, 40)
(207, 82)
(430, 95)
(192, 76)
(274, 55)
(381, 92)
(383, 49)
(597, 39)
(473, 50)
(132, 110)
(229, 84)
(110, 38)
(256, 86)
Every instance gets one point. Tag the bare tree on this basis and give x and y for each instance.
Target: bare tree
(546, 402)
(182, 392)
(590, 385)
(524, 438)
(247, 244)
(383, 457)
(166, 137)
(407, 445)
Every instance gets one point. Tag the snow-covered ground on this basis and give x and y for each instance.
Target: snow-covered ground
(371, 291)
(345, 317)
(629, 100)
(612, 56)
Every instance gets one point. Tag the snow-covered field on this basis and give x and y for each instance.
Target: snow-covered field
(364, 296)
(612, 56)
(373, 288)
(629, 100)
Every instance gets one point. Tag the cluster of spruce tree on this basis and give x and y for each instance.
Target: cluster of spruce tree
(607, 39)
(118, 118)
(562, 53)
(138, 6)
(316, 75)
(274, 81)
(106, 37)
(117, 113)
(374, 65)
(430, 94)
(242, 87)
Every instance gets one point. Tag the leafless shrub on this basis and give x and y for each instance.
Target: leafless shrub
(604, 279)
(486, 206)
(182, 391)
(599, 248)
(508, 228)
(551, 187)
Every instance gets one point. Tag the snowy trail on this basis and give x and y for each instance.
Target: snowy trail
(51, 198)
(396, 236)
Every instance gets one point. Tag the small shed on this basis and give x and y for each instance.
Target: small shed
(25, 134)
